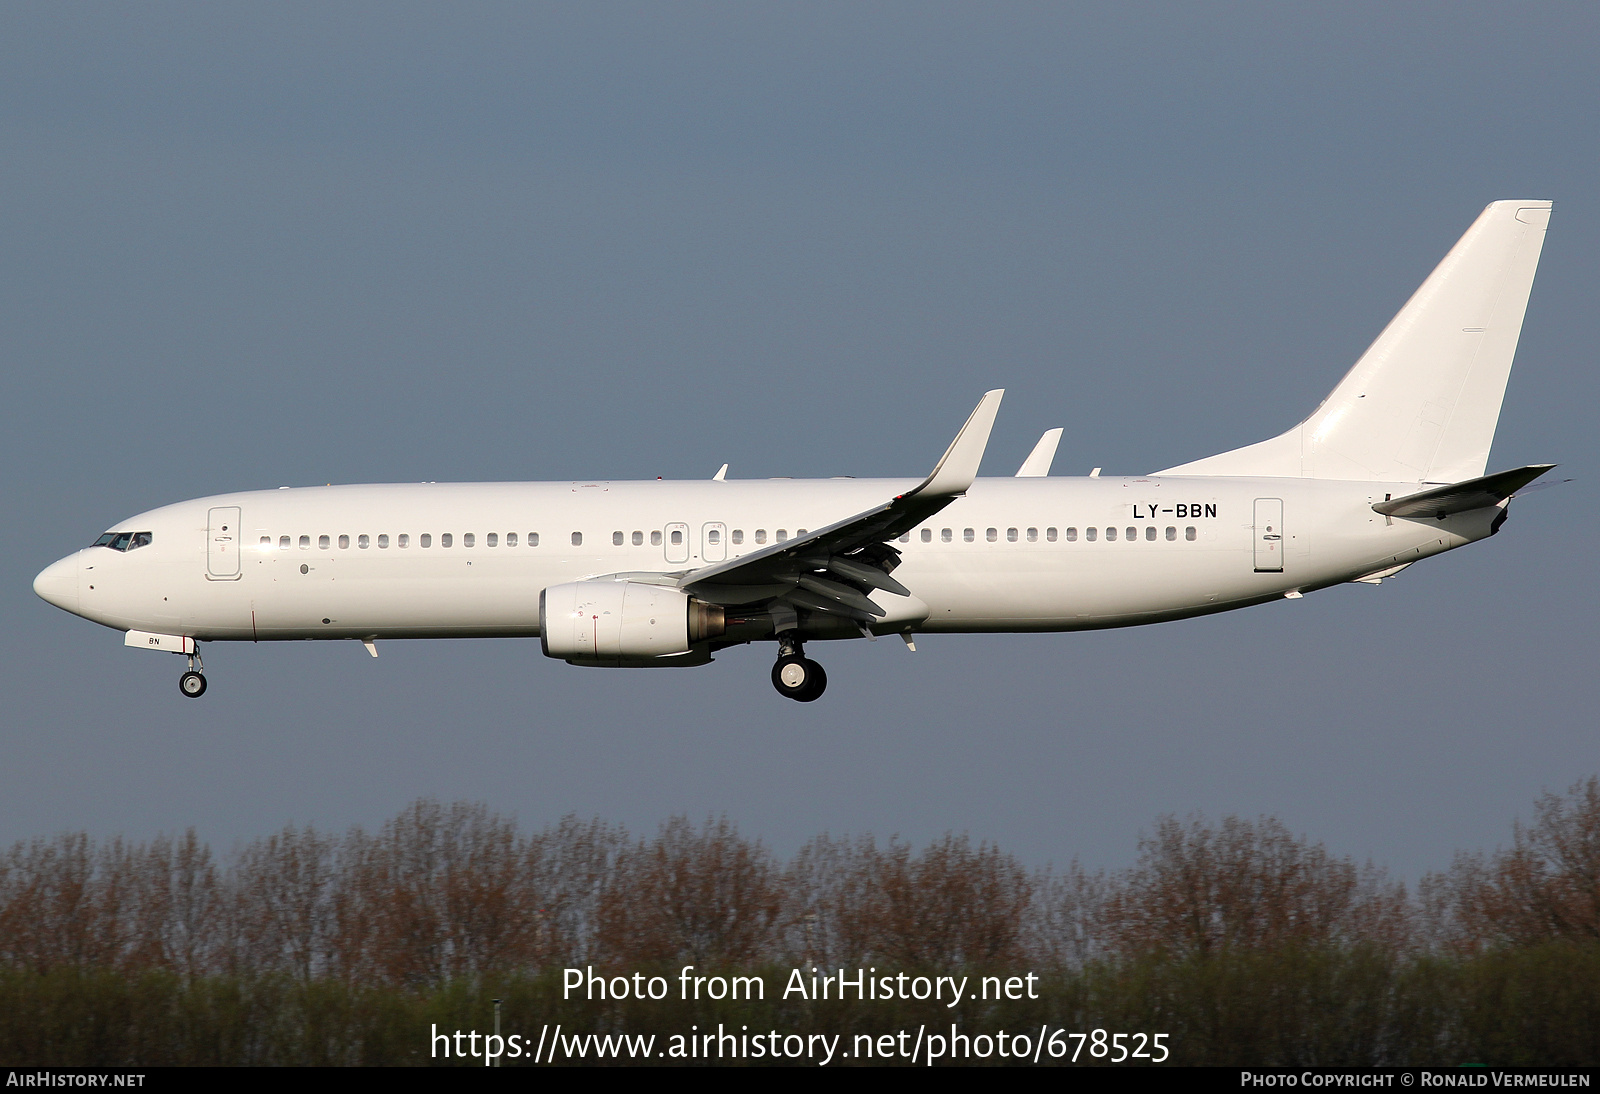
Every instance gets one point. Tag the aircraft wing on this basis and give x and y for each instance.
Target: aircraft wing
(1462, 497)
(833, 569)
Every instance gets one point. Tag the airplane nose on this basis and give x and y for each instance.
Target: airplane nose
(57, 583)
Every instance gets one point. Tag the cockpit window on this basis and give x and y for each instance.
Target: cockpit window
(124, 541)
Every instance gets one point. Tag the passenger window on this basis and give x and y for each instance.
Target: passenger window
(927, 535)
(533, 539)
(1033, 535)
(1072, 535)
(363, 541)
(511, 539)
(1133, 534)
(1111, 535)
(425, 540)
(800, 531)
(323, 543)
(616, 539)
(305, 543)
(906, 538)
(383, 541)
(266, 541)
(968, 534)
(713, 536)
(992, 534)
(1011, 535)
(1188, 533)
(283, 543)
(780, 535)
(1089, 534)
(577, 539)
(677, 538)
(446, 539)
(403, 540)
(655, 539)
(469, 539)
(944, 535)
(761, 535)
(1172, 534)
(638, 539)
(344, 543)
(492, 539)
(738, 535)
(1150, 533)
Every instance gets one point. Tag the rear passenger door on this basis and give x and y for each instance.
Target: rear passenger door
(1269, 535)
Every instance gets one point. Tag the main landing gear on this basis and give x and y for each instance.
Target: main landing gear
(795, 675)
(193, 682)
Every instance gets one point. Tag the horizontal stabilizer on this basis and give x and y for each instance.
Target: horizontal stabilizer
(1463, 497)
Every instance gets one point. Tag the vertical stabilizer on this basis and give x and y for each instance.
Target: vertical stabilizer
(1422, 403)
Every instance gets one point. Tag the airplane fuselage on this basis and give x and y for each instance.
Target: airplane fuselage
(471, 559)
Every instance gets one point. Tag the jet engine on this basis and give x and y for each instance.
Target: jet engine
(610, 622)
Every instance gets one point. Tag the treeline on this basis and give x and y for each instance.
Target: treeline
(1243, 942)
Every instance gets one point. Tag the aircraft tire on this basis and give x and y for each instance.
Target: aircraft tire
(819, 685)
(192, 684)
(798, 678)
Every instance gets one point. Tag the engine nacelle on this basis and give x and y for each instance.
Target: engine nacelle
(610, 621)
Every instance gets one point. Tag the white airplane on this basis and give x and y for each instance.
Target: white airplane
(1388, 470)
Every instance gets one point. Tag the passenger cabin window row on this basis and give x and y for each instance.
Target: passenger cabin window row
(127, 541)
(1130, 534)
(402, 540)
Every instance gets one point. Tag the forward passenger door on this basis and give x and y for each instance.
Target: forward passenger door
(222, 543)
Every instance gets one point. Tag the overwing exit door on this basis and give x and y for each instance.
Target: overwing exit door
(677, 544)
(1269, 535)
(714, 542)
(222, 543)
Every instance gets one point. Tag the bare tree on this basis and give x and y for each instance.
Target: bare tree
(1546, 887)
(282, 903)
(697, 895)
(1246, 884)
(1065, 927)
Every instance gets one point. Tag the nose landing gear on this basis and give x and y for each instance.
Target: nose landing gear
(193, 682)
(795, 675)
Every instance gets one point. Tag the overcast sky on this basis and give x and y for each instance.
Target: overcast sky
(249, 246)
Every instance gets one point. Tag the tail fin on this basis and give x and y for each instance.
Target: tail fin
(1422, 403)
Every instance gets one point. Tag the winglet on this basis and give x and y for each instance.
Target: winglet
(1037, 465)
(959, 465)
